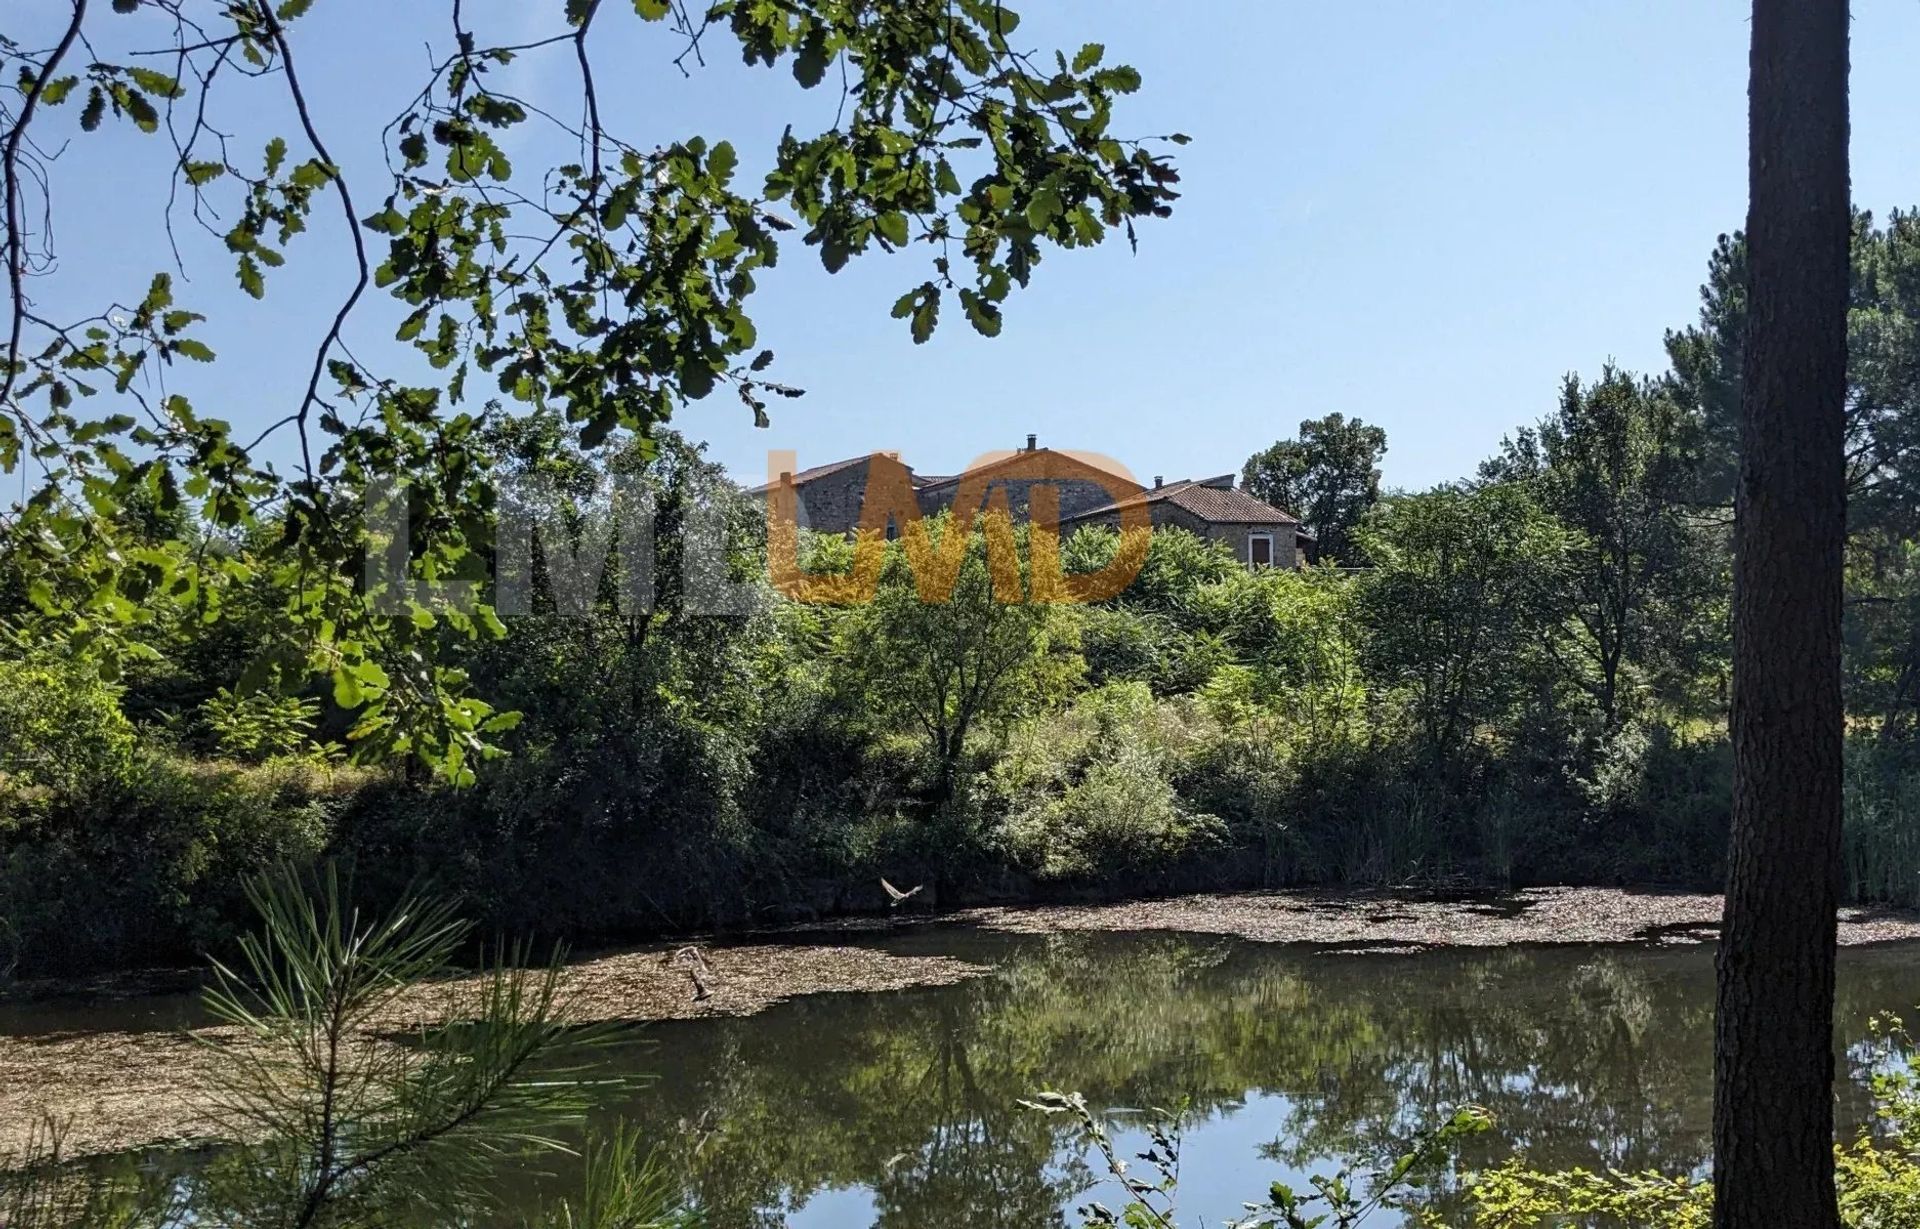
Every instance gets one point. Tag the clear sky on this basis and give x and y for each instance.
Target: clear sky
(1420, 214)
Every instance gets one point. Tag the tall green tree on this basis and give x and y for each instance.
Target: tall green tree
(1883, 443)
(1329, 476)
(947, 668)
(1883, 368)
(1616, 465)
(1773, 1033)
(1463, 584)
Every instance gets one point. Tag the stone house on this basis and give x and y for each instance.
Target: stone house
(1259, 534)
(1078, 484)
(830, 499)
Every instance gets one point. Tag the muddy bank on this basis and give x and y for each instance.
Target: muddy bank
(1370, 921)
(123, 1089)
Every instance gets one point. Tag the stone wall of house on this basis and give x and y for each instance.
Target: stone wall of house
(1286, 551)
(1076, 495)
(832, 503)
(1234, 534)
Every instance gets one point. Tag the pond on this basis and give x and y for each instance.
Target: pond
(902, 1109)
(898, 1109)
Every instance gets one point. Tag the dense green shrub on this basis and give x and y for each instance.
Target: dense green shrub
(1882, 831)
(1122, 644)
(146, 867)
(675, 769)
(258, 725)
(1121, 817)
(1090, 792)
(61, 733)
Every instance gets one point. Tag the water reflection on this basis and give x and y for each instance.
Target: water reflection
(898, 1110)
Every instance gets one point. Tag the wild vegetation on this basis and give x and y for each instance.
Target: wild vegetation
(1518, 678)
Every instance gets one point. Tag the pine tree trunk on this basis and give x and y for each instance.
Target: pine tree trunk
(1773, 1041)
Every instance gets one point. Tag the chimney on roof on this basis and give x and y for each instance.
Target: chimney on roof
(1157, 480)
(786, 477)
(1033, 443)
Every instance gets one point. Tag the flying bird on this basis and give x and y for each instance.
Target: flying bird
(896, 897)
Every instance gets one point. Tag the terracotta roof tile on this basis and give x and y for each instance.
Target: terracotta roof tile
(1236, 507)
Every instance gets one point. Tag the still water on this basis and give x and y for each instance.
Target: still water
(898, 1110)
(901, 1109)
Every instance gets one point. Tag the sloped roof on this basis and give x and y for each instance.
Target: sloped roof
(1223, 505)
(819, 471)
(1025, 454)
(1228, 505)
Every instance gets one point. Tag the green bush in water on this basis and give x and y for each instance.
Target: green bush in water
(1877, 1174)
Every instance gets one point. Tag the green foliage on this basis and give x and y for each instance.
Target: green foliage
(1641, 605)
(624, 1187)
(1177, 562)
(1882, 823)
(1463, 581)
(1879, 1188)
(1877, 1176)
(1091, 794)
(334, 1122)
(145, 866)
(1528, 684)
(950, 665)
(338, 1127)
(612, 287)
(258, 725)
(1513, 1197)
(61, 732)
(1297, 660)
(1125, 644)
(1329, 477)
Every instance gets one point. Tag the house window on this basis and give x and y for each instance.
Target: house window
(1260, 550)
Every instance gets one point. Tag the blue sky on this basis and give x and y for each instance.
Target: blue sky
(1420, 214)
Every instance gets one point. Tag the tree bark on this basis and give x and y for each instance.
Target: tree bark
(1773, 1038)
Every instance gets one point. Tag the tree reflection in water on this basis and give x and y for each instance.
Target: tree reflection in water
(1585, 1056)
